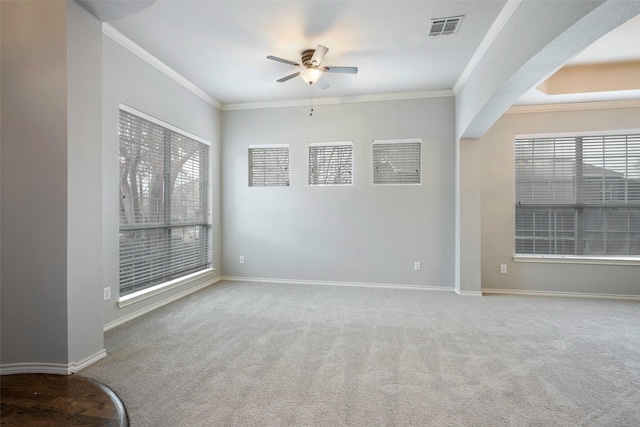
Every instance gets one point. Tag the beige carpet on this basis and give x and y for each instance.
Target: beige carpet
(257, 354)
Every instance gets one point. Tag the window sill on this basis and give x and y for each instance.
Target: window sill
(163, 287)
(572, 259)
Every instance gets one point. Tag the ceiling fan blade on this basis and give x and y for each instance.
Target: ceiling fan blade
(344, 70)
(323, 83)
(319, 54)
(289, 77)
(285, 61)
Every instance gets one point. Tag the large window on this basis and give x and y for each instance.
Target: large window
(268, 166)
(396, 161)
(578, 195)
(165, 232)
(330, 163)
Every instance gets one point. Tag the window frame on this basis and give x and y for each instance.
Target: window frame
(399, 142)
(330, 144)
(250, 160)
(204, 221)
(629, 260)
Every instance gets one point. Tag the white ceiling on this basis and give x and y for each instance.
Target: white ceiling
(221, 46)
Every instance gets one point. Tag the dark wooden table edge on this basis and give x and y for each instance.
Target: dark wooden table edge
(119, 406)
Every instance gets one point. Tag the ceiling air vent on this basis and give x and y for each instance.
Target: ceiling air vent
(445, 26)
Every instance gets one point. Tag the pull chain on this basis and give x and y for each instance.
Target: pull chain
(311, 98)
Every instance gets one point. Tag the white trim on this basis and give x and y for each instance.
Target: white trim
(444, 93)
(329, 185)
(409, 184)
(576, 106)
(152, 307)
(163, 287)
(397, 141)
(268, 146)
(50, 368)
(503, 17)
(34, 368)
(468, 293)
(162, 123)
(133, 47)
(330, 283)
(573, 259)
(615, 132)
(519, 292)
(330, 144)
(76, 366)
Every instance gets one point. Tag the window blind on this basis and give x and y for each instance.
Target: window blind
(268, 166)
(331, 163)
(396, 162)
(578, 195)
(164, 193)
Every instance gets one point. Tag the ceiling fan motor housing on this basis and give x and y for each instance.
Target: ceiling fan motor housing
(306, 57)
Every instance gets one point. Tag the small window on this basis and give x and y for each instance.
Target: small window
(269, 166)
(396, 161)
(331, 163)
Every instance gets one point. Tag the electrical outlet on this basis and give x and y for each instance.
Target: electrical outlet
(241, 259)
(107, 294)
(503, 268)
(416, 265)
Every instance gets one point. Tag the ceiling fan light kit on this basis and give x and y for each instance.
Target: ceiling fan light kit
(311, 75)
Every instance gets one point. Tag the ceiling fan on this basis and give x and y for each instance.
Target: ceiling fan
(311, 71)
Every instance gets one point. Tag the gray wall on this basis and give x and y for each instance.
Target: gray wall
(51, 144)
(34, 182)
(84, 183)
(129, 80)
(498, 201)
(359, 233)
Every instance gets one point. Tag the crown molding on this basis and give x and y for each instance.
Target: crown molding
(501, 20)
(139, 51)
(577, 106)
(341, 100)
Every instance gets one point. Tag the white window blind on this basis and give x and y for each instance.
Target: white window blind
(331, 163)
(578, 195)
(164, 197)
(269, 166)
(396, 162)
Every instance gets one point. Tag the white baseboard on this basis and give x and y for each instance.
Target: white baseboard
(34, 368)
(329, 283)
(76, 366)
(469, 293)
(50, 368)
(152, 307)
(489, 291)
